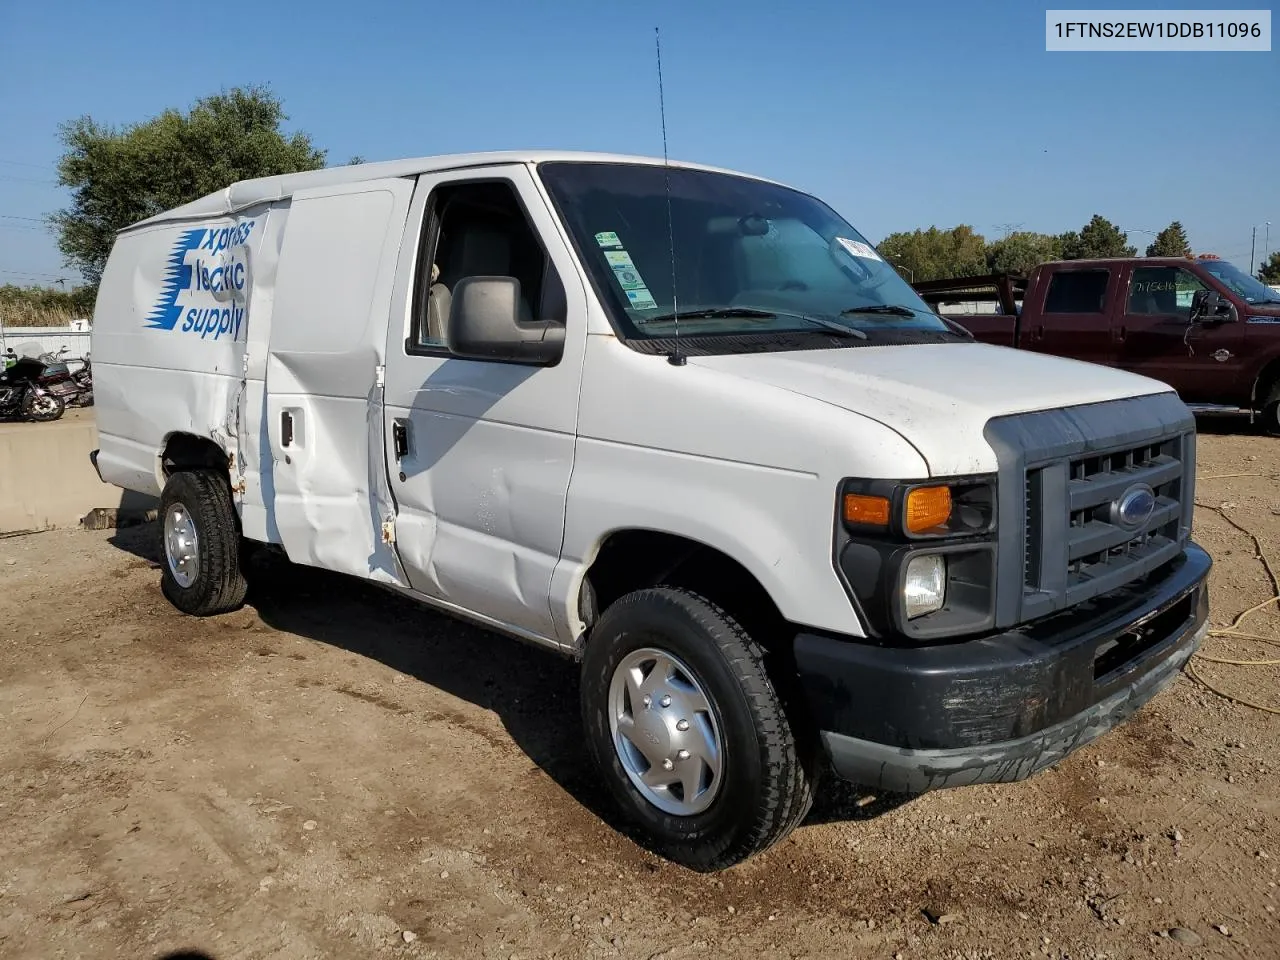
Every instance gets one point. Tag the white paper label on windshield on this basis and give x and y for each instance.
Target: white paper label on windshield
(608, 239)
(859, 249)
(628, 277)
(641, 299)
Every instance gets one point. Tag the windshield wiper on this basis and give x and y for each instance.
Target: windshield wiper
(882, 308)
(730, 312)
(834, 326)
(713, 313)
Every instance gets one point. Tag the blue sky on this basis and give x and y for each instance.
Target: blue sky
(898, 114)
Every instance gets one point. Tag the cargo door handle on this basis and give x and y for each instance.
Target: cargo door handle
(400, 438)
(286, 428)
(1121, 333)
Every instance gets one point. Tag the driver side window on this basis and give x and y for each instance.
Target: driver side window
(476, 229)
(1163, 291)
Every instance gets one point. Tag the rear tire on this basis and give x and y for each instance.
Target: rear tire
(764, 785)
(202, 573)
(43, 408)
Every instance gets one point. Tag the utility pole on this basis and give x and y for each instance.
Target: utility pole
(1253, 243)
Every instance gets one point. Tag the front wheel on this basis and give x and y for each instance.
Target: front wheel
(689, 732)
(1271, 412)
(42, 407)
(202, 573)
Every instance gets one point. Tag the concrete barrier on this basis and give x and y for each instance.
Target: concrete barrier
(46, 479)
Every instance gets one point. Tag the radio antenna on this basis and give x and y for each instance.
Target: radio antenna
(675, 358)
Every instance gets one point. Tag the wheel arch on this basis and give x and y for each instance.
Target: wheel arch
(634, 558)
(190, 451)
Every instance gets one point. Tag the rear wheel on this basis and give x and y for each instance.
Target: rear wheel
(42, 407)
(202, 572)
(689, 731)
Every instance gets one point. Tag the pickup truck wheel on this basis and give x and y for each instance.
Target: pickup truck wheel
(202, 572)
(1271, 412)
(689, 731)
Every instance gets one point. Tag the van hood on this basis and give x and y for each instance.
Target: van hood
(939, 397)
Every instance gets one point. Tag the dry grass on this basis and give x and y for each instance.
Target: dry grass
(33, 315)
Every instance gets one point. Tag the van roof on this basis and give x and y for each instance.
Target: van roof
(249, 193)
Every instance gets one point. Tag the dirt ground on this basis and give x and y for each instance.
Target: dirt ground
(335, 772)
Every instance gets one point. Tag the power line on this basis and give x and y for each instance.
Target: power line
(30, 273)
(26, 179)
(14, 216)
(23, 163)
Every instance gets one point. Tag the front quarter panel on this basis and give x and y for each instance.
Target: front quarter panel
(747, 469)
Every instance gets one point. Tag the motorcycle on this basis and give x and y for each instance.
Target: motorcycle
(84, 380)
(23, 396)
(75, 387)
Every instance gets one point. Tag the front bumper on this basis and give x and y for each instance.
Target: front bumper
(1002, 707)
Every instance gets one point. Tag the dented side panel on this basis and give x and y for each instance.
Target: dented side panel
(481, 493)
(170, 330)
(323, 405)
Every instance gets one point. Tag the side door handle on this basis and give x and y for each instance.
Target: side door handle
(286, 428)
(400, 437)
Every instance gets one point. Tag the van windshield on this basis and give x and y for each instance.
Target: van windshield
(750, 258)
(1247, 288)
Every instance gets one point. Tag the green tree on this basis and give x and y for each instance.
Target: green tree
(122, 175)
(1170, 242)
(936, 254)
(1022, 250)
(1097, 239)
(1269, 272)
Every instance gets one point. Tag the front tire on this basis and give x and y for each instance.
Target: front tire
(689, 732)
(43, 407)
(1271, 413)
(202, 573)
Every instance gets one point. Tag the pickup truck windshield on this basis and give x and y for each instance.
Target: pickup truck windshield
(1240, 283)
(750, 257)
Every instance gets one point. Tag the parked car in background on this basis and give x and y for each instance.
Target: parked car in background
(1205, 327)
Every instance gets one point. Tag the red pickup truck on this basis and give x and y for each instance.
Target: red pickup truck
(1204, 327)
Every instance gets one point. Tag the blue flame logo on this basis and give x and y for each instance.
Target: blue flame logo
(177, 277)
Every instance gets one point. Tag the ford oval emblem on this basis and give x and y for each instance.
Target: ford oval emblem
(1134, 507)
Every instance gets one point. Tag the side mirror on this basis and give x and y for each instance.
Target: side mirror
(1209, 307)
(487, 322)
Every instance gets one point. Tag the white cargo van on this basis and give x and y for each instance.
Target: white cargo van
(681, 424)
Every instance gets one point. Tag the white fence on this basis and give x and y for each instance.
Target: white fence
(33, 341)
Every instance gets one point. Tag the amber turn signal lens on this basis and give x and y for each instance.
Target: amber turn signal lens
(928, 507)
(871, 511)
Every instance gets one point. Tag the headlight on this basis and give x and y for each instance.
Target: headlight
(924, 586)
(920, 511)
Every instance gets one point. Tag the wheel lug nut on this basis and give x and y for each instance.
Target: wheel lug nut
(667, 764)
(665, 701)
(682, 725)
(682, 754)
(647, 700)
